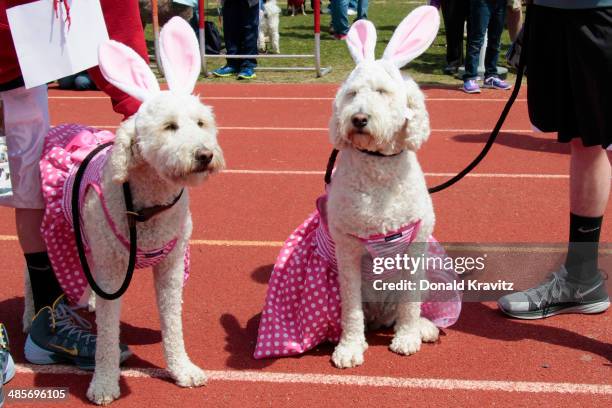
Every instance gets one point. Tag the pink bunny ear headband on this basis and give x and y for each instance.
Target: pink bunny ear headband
(180, 57)
(411, 38)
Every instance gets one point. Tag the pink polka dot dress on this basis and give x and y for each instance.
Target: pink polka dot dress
(302, 307)
(66, 146)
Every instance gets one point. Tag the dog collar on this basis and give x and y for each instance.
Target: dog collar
(379, 154)
(145, 214)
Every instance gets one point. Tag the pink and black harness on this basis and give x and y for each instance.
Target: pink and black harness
(72, 163)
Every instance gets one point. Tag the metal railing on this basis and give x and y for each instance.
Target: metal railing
(315, 57)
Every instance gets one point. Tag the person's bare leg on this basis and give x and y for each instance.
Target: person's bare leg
(589, 180)
(28, 230)
(578, 286)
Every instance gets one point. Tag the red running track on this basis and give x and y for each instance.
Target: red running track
(276, 147)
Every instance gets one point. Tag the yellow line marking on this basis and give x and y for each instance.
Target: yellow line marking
(450, 247)
(205, 242)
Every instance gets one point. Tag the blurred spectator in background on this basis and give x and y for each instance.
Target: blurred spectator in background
(166, 9)
(486, 18)
(340, 21)
(514, 18)
(455, 14)
(81, 82)
(241, 29)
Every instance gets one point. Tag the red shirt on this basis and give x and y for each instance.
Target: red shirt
(122, 19)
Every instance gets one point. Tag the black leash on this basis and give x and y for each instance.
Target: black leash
(76, 222)
(132, 218)
(492, 137)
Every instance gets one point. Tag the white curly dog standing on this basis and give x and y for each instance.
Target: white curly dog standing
(379, 121)
(269, 20)
(169, 144)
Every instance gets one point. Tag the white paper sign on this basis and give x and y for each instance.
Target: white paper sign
(48, 48)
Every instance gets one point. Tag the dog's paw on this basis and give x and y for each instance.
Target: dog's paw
(348, 355)
(103, 392)
(429, 331)
(406, 343)
(189, 375)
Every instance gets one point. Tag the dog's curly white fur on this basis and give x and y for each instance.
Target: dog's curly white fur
(169, 144)
(378, 110)
(269, 19)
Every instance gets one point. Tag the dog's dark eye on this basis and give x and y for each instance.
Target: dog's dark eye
(171, 126)
(351, 94)
(381, 91)
(200, 123)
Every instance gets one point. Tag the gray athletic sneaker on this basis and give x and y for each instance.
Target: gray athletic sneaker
(556, 296)
(7, 366)
(58, 334)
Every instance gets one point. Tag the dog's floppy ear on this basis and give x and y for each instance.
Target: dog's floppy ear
(413, 36)
(180, 55)
(121, 156)
(361, 41)
(417, 123)
(125, 69)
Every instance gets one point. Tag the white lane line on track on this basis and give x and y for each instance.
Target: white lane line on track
(294, 98)
(324, 129)
(349, 380)
(469, 175)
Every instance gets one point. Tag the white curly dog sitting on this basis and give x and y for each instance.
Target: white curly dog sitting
(168, 145)
(379, 121)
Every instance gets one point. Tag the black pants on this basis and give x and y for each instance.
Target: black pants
(455, 14)
(240, 27)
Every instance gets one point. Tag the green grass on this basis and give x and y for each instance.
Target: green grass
(296, 37)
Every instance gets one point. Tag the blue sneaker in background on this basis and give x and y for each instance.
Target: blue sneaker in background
(224, 71)
(247, 73)
(496, 83)
(471, 86)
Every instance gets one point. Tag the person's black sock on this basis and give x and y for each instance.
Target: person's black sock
(45, 287)
(582, 251)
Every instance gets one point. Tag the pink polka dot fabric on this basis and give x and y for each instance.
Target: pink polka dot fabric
(60, 160)
(302, 307)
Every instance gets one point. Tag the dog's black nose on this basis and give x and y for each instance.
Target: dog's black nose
(360, 120)
(204, 157)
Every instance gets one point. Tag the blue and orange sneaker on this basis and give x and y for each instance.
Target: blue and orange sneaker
(59, 335)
